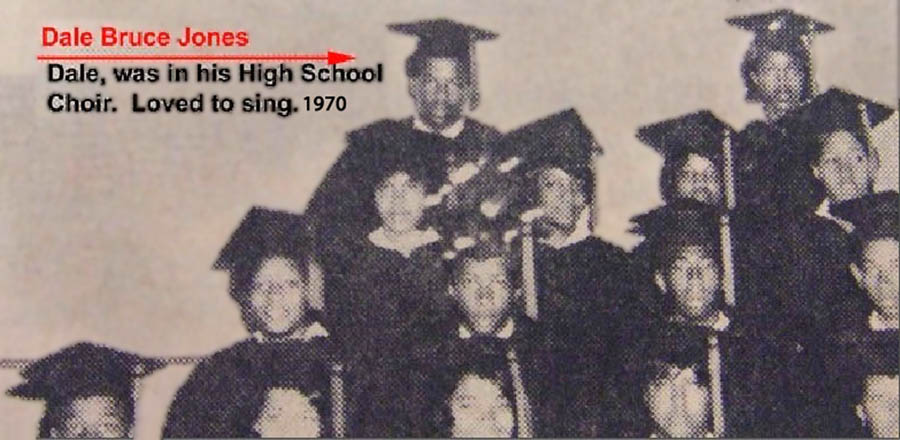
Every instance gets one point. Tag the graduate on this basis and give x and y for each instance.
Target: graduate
(832, 133)
(89, 390)
(393, 293)
(450, 146)
(584, 286)
(778, 73)
(745, 382)
(489, 330)
(270, 261)
(874, 261)
(694, 147)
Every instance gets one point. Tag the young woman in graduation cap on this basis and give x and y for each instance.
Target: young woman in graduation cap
(393, 292)
(275, 282)
(89, 391)
(449, 145)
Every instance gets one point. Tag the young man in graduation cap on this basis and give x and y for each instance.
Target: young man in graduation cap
(488, 329)
(273, 279)
(874, 260)
(449, 145)
(89, 390)
(778, 73)
(585, 287)
(684, 250)
(832, 133)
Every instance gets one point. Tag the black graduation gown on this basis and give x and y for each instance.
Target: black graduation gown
(590, 301)
(771, 171)
(448, 351)
(342, 205)
(746, 390)
(380, 311)
(222, 396)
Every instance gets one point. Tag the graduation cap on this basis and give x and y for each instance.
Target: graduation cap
(678, 224)
(445, 38)
(832, 111)
(700, 133)
(780, 23)
(873, 215)
(84, 370)
(265, 232)
(781, 30)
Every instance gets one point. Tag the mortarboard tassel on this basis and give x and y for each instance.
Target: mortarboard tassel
(474, 95)
(338, 414)
(715, 385)
(529, 283)
(724, 222)
(316, 285)
(523, 406)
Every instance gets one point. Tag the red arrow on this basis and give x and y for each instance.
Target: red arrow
(330, 57)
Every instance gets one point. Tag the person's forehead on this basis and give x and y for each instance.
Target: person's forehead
(276, 267)
(442, 67)
(91, 407)
(693, 253)
(472, 385)
(885, 246)
(840, 142)
(882, 384)
(697, 163)
(484, 268)
(289, 396)
(554, 174)
(772, 58)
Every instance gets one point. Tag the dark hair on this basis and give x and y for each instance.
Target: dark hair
(59, 410)
(762, 47)
(668, 176)
(495, 372)
(511, 265)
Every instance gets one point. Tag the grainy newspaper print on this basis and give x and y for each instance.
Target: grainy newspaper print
(292, 219)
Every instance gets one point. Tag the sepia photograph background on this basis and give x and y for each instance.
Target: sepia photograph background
(109, 223)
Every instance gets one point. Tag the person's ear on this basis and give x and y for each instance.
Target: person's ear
(817, 171)
(660, 280)
(861, 413)
(857, 274)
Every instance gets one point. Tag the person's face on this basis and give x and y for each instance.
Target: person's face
(559, 194)
(439, 92)
(698, 180)
(779, 80)
(287, 413)
(843, 167)
(278, 298)
(483, 289)
(879, 273)
(678, 403)
(93, 417)
(879, 405)
(400, 203)
(693, 281)
(480, 410)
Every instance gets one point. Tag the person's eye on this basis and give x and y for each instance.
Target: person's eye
(293, 284)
